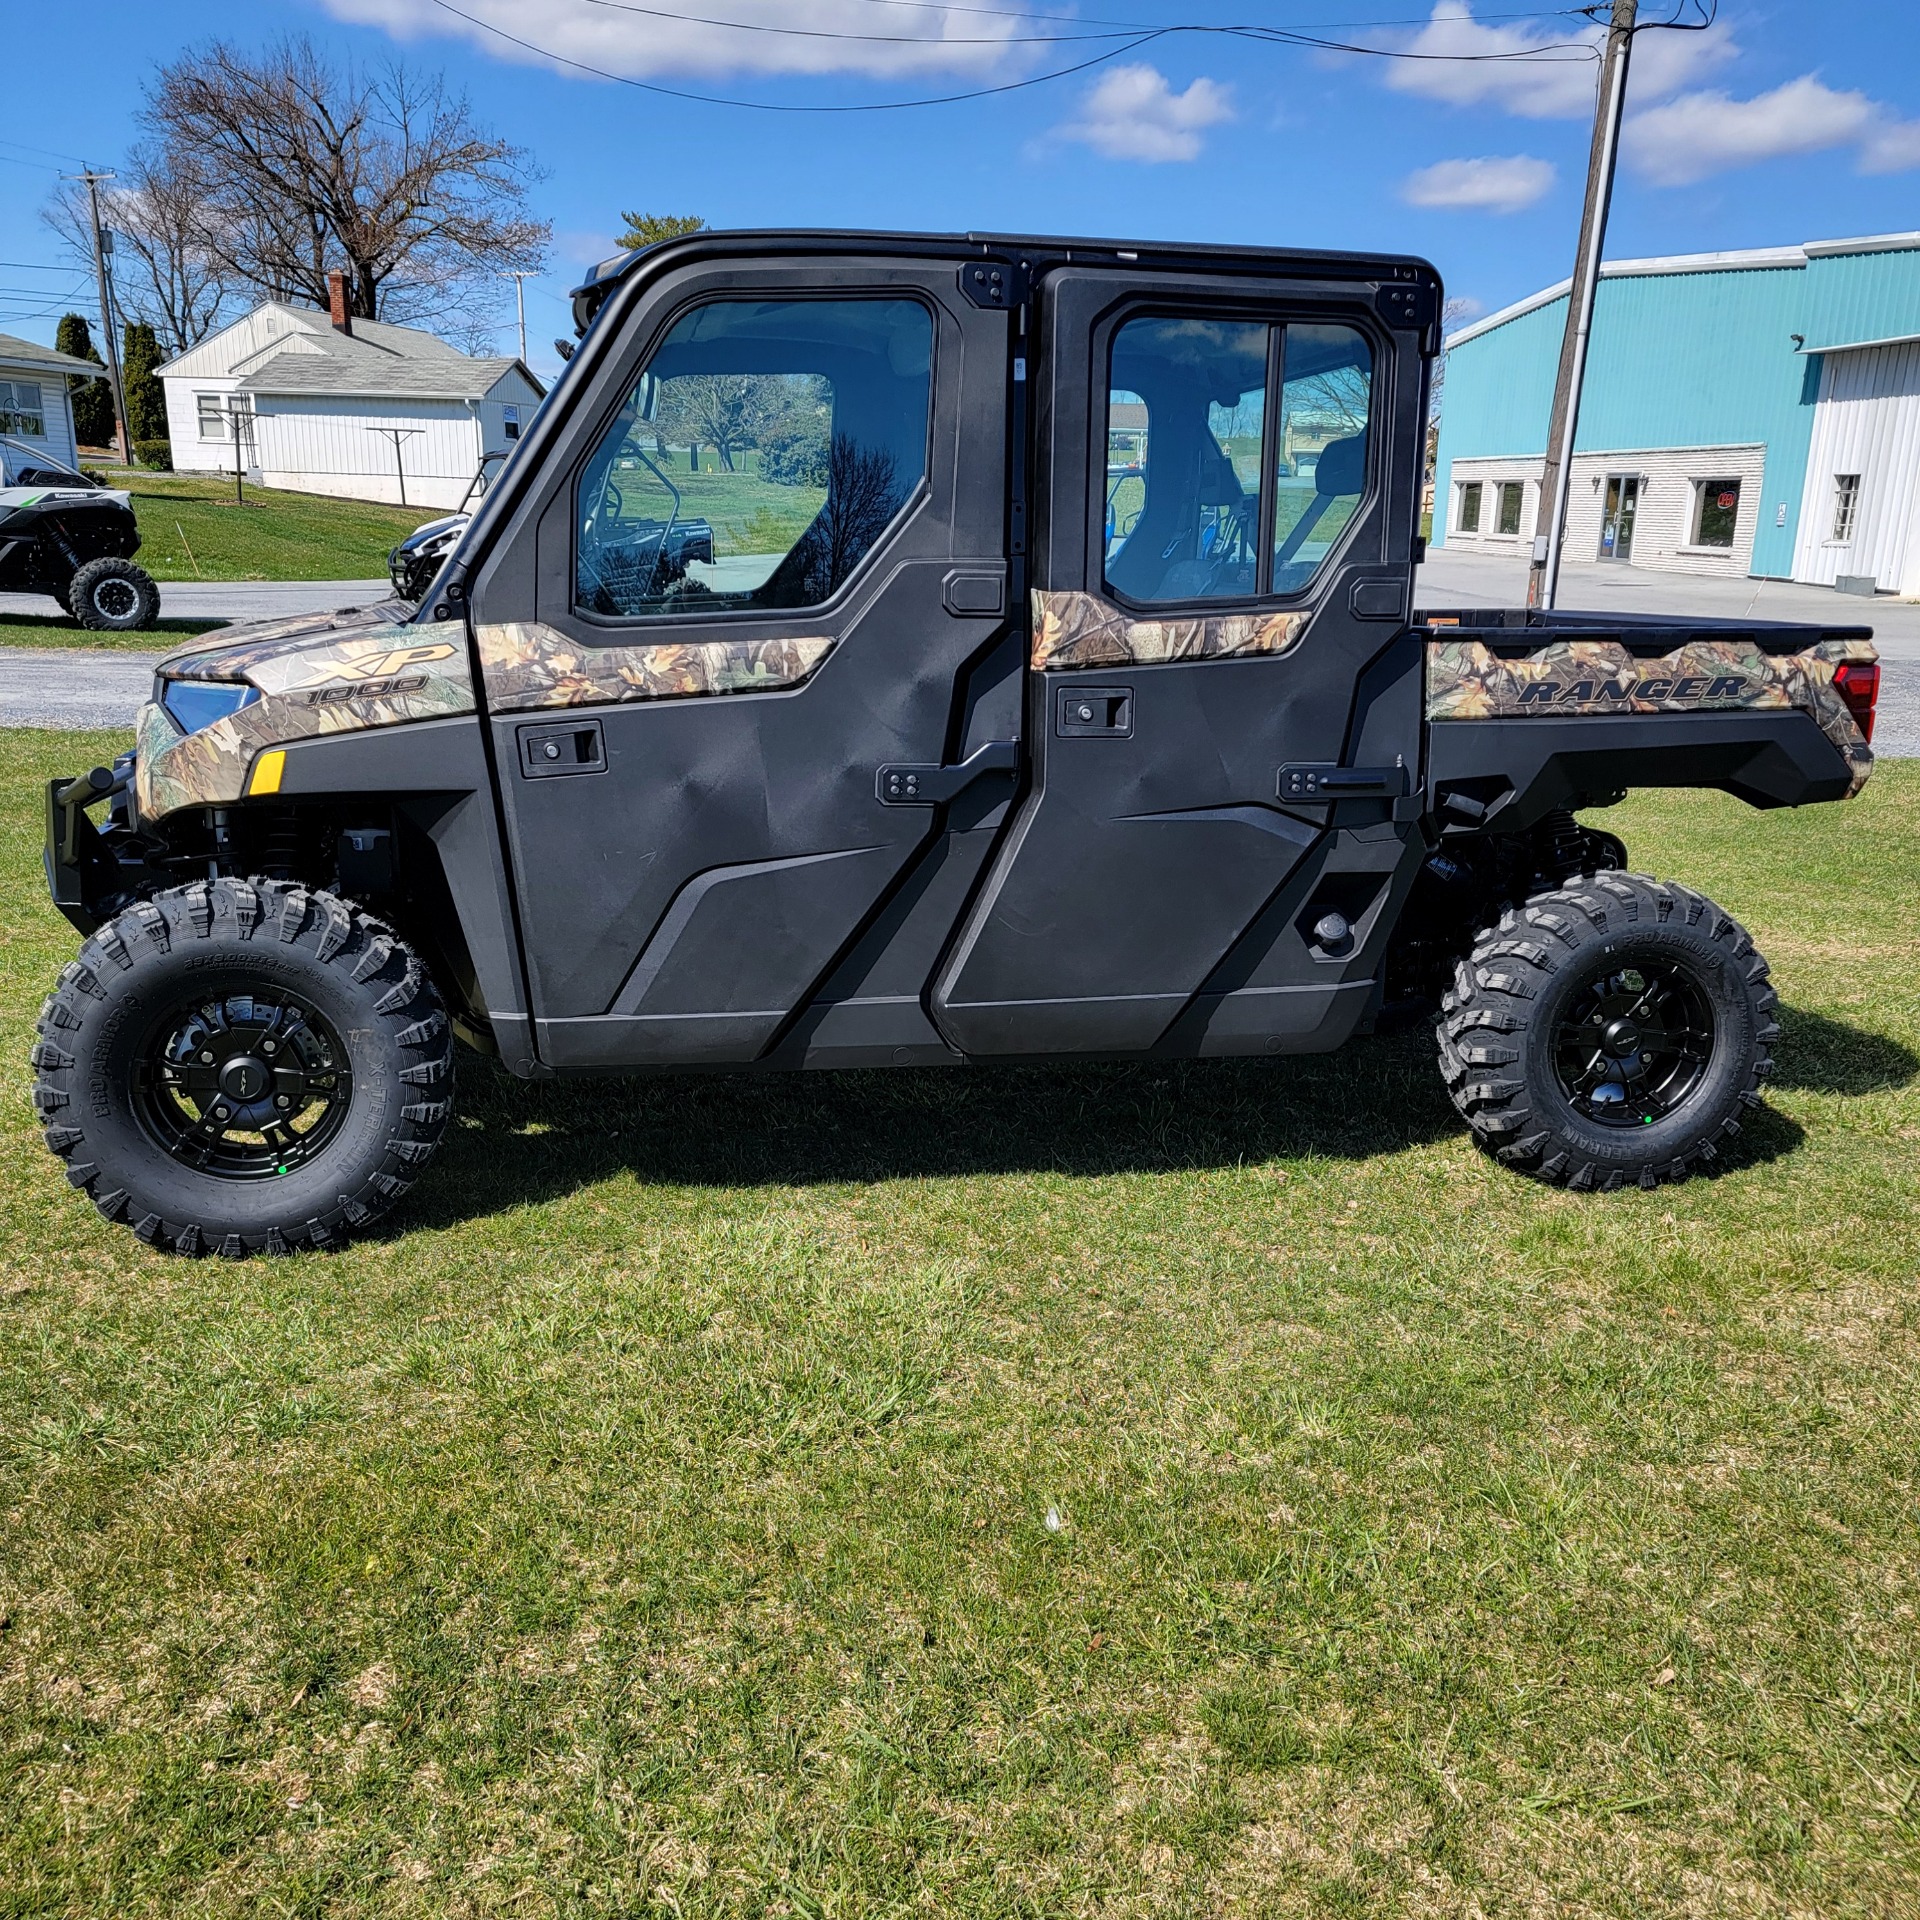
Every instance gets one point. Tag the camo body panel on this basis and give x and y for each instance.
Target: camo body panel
(331, 681)
(530, 668)
(1073, 630)
(231, 653)
(1466, 680)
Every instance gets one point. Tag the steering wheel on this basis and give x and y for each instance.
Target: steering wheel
(613, 505)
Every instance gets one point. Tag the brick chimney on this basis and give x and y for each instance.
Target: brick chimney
(337, 300)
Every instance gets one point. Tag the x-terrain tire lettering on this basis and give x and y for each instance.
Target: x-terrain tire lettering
(1613, 1029)
(243, 1067)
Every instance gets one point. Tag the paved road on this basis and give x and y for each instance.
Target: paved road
(101, 689)
(231, 599)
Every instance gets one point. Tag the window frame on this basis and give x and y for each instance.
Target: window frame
(1696, 540)
(591, 442)
(15, 413)
(1477, 488)
(1518, 489)
(222, 413)
(1846, 509)
(1276, 318)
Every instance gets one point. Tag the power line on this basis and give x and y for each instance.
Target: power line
(1146, 36)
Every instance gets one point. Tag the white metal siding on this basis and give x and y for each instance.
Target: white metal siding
(328, 445)
(1663, 523)
(191, 454)
(1866, 421)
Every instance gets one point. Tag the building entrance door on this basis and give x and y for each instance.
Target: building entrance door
(1616, 523)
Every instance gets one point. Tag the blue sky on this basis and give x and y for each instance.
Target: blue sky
(1784, 122)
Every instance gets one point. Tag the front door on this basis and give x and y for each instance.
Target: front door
(748, 579)
(1224, 705)
(1617, 516)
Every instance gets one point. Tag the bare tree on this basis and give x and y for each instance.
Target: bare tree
(164, 272)
(304, 167)
(863, 493)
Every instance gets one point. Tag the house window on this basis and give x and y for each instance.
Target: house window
(21, 408)
(511, 416)
(213, 415)
(1470, 507)
(1716, 512)
(1846, 504)
(1510, 496)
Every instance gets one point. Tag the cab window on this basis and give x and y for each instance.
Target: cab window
(758, 460)
(1235, 455)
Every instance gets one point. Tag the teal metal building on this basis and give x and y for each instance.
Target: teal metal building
(1744, 413)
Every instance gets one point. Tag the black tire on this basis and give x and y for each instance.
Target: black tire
(113, 596)
(297, 999)
(1610, 961)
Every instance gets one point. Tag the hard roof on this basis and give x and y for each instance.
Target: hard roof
(1738, 260)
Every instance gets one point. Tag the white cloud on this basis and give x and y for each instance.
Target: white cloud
(1545, 73)
(1490, 184)
(640, 46)
(1697, 134)
(1892, 147)
(1133, 114)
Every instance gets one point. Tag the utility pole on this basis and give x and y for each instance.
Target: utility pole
(93, 181)
(520, 276)
(1550, 529)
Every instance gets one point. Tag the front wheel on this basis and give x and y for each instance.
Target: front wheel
(1613, 1029)
(114, 596)
(243, 1067)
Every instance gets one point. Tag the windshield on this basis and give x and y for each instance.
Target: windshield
(28, 467)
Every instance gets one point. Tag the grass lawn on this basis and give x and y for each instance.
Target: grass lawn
(22, 630)
(1177, 1490)
(191, 530)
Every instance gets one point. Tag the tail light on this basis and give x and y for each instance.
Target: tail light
(1859, 687)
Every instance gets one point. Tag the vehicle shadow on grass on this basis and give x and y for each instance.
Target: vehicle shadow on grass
(522, 1143)
(1815, 1054)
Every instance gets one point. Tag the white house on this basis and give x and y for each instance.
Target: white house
(35, 411)
(324, 403)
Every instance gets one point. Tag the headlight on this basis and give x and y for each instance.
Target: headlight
(194, 704)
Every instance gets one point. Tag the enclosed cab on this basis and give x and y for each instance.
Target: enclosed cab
(1035, 676)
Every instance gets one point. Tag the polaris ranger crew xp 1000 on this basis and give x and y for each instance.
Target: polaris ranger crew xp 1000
(1047, 685)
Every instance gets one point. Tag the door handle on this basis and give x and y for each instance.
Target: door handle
(1321, 781)
(928, 786)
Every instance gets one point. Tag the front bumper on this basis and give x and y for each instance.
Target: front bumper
(91, 871)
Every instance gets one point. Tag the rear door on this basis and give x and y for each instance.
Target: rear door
(756, 568)
(1223, 706)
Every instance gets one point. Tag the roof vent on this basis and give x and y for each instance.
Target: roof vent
(337, 301)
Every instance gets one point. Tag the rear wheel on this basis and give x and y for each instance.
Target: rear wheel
(114, 596)
(242, 1067)
(1613, 1029)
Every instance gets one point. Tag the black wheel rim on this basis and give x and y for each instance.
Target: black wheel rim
(1634, 1043)
(114, 599)
(248, 1087)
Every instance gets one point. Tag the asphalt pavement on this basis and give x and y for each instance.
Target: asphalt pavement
(230, 599)
(87, 688)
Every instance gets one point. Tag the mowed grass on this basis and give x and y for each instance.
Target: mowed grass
(21, 630)
(1171, 1490)
(190, 529)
